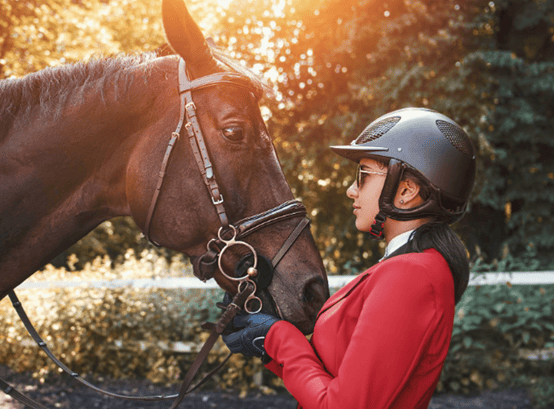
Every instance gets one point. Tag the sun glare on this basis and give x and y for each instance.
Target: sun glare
(224, 4)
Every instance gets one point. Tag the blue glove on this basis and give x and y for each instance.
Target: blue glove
(249, 336)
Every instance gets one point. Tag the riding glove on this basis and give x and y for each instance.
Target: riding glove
(249, 336)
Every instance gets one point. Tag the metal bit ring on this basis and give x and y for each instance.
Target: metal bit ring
(248, 309)
(230, 243)
(251, 297)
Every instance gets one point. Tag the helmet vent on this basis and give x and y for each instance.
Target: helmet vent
(456, 136)
(377, 130)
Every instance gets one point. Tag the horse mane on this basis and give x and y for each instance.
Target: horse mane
(53, 86)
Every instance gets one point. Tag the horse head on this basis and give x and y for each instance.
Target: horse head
(180, 208)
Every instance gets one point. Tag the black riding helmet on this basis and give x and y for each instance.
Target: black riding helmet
(428, 143)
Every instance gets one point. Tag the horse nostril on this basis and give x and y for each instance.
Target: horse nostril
(315, 293)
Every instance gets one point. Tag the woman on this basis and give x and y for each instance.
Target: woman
(381, 341)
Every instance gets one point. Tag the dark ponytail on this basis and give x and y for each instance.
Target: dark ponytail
(441, 237)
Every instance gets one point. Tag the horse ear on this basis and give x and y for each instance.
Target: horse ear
(185, 36)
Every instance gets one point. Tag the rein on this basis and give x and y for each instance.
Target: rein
(229, 235)
(230, 312)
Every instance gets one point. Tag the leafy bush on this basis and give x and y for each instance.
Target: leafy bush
(542, 390)
(119, 332)
(493, 328)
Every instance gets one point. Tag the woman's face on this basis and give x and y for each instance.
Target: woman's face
(366, 196)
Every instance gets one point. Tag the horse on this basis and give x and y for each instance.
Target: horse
(83, 143)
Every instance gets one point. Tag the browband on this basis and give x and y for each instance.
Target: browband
(228, 78)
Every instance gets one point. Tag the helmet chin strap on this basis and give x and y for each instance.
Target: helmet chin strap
(394, 175)
(376, 231)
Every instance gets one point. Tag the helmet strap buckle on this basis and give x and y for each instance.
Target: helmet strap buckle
(377, 226)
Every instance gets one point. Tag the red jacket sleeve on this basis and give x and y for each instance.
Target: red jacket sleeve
(397, 320)
(275, 367)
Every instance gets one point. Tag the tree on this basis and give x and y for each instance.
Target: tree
(517, 59)
(337, 65)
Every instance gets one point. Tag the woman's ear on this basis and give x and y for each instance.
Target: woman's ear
(407, 194)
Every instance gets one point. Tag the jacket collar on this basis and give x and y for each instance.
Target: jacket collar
(396, 243)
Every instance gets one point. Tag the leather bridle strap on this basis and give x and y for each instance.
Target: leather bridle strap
(290, 241)
(34, 334)
(197, 143)
(228, 78)
(161, 174)
(287, 210)
(196, 138)
(205, 266)
(194, 131)
(225, 319)
(18, 396)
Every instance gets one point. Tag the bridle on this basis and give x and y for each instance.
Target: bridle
(229, 235)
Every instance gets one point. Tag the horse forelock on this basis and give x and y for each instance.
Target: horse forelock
(236, 66)
(52, 87)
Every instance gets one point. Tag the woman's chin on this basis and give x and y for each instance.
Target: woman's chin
(361, 226)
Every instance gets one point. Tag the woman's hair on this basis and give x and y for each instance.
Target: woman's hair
(440, 236)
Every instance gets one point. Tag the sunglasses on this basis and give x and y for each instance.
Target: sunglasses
(359, 175)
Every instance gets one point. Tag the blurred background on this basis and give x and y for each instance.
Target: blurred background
(336, 65)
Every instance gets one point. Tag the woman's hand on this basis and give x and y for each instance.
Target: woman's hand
(249, 336)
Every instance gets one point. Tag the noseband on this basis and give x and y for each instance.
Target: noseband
(229, 235)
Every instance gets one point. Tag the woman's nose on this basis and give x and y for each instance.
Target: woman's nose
(352, 191)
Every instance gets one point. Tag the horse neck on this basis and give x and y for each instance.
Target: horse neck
(60, 177)
(96, 139)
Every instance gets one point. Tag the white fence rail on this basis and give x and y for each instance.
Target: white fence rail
(515, 278)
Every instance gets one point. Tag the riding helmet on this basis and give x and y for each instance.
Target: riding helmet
(427, 143)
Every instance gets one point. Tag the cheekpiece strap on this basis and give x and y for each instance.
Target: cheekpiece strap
(196, 137)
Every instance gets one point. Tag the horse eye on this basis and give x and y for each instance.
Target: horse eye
(234, 133)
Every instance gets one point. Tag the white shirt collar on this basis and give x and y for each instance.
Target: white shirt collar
(397, 242)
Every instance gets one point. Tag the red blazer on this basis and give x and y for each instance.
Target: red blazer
(379, 342)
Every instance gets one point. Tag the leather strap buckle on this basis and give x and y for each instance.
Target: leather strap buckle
(217, 202)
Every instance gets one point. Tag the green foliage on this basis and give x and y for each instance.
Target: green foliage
(542, 390)
(495, 327)
(527, 261)
(122, 332)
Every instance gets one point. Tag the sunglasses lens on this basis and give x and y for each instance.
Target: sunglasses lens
(359, 177)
